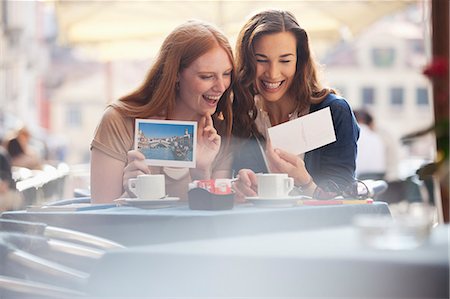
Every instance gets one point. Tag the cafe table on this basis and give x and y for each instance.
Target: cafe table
(132, 226)
(322, 263)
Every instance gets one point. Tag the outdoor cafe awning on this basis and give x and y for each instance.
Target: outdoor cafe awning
(119, 29)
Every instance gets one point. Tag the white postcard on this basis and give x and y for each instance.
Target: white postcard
(167, 142)
(305, 133)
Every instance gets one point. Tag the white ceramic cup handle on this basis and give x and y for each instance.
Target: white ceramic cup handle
(132, 185)
(289, 184)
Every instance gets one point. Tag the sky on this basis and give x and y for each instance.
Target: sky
(162, 129)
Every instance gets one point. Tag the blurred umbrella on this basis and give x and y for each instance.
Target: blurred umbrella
(118, 29)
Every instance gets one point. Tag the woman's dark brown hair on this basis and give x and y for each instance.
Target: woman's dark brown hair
(305, 86)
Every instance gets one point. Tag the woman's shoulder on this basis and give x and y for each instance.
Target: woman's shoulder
(112, 112)
(113, 120)
(333, 101)
(112, 115)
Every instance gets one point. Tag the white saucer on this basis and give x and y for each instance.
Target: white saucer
(287, 201)
(148, 203)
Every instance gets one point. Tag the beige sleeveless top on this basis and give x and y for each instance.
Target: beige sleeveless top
(114, 136)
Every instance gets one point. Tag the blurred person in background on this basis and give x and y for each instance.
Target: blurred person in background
(20, 151)
(10, 199)
(190, 80)
(371, 158)
(7, 181)
(277, 81)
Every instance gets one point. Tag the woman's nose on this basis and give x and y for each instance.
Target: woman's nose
(220, 85)
(273, 70)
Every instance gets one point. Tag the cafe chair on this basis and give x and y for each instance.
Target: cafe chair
(74, 255)
(358, 189)
(23, 264)
(81, 192)
(56, 243)
(41, 229)
(19, 288)
(19, 261)
(41, 261)
(375, 187)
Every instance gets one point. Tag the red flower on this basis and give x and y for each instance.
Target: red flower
(437, 68)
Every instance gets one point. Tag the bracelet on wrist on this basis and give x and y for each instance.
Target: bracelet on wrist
(308, 184)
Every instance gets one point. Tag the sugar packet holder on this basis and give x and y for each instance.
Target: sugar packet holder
(214, 194)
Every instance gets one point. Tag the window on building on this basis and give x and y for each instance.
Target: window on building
(396, 97)
(415, 55)
(416, 46)
(422, 97)
(73, 116)
(383, 57)
(368, 96)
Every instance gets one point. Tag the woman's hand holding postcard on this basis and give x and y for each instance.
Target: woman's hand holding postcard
(167, 142)
(208, 142)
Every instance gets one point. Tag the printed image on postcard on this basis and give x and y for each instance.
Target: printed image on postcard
(166, 142)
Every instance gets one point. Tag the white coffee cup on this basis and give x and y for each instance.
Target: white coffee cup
(148, 186)
(274, 185)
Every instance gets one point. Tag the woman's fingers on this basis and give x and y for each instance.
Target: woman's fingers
(288, 157)
(274, 161)
(241, 192)
(206, 127)
(212, 135)
(202, 125)
(246, 185)
(269, 147)
(239, 197)
(247, 177)
(279, 160)
(285, 162)
(134, 155)
(136, 166)
(208, 121)
(207, 133)
(132, 174)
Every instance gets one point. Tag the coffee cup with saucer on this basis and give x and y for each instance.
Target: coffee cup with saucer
(150, 191)
(273, 190)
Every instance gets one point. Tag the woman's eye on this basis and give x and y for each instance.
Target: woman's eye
(227, 74)
(261, 60)
(206, 77)
(285, 61)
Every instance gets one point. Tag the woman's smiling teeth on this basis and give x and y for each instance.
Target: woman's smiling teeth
(271, 85)
(212, 99)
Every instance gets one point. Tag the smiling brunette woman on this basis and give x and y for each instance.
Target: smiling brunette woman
(277, 82)
(190, 81)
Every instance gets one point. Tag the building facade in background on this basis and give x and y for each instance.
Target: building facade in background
(55, 89)
(381, 71)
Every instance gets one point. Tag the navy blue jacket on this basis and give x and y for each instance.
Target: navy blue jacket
(334, 161)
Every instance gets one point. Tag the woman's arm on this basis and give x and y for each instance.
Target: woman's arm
(106, 177)
(336, 161)
(112, 141)
(109, 177)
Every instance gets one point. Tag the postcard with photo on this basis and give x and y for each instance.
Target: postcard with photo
(167, 142)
